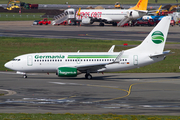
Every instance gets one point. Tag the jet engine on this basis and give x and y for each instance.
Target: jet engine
(67, 72)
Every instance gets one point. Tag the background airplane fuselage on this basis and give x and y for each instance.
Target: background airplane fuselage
(109, 14)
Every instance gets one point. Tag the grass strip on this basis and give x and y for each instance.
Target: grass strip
(21, 17)
(69, 116)
(11, 47)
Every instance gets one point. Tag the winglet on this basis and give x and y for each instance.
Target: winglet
(79, 12)
(111, 50)
(118, 57)
(158, 9)
(141, 5)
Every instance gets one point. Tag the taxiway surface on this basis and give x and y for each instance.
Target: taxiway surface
(118, 93)
(107, 32)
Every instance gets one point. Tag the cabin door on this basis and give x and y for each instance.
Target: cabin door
(135, 60)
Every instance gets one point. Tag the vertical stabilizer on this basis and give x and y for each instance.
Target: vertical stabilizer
(154, 43)
(141, 5)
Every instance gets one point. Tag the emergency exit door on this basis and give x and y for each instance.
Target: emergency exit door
(29, 60)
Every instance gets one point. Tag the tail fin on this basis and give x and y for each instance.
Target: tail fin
(141, 5)
(158, 9)
(154, 43)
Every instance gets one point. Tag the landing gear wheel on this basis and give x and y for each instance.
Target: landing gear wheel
(114, 24)
(25, 76)
(101, 24)
(88, 76)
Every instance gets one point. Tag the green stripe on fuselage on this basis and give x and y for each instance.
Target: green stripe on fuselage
(92, 56)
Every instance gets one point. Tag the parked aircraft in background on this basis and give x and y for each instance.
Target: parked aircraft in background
(70, 64)
(108, 16)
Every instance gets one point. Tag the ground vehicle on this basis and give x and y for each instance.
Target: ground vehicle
(44, 22)
(13, 5)
(36, 22)
(28, 6)
(172, 23)
(149, 22)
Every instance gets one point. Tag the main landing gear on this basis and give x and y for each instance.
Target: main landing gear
(88, 76)
(25, 76)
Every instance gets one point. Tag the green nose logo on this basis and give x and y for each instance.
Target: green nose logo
(157, 37)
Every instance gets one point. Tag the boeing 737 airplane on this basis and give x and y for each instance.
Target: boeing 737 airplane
(108, 16)
(70, 64)
(112, 16)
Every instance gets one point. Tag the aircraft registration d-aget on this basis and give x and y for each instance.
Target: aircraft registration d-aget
(70, 64)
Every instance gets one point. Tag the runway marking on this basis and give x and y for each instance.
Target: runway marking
(67, 97)
(96, 86)
(128, 91)
(10, 92)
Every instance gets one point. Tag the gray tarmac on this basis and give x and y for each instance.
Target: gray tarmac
(107, 32)
(118, 93)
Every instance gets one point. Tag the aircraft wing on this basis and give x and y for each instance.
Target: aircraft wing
(95, 67)
(100, 19)
(129, 17)
(91, 67)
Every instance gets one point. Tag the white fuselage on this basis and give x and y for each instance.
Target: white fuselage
(50, 62)
(109, 14)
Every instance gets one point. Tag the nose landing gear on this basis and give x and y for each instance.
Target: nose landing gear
(25, 76)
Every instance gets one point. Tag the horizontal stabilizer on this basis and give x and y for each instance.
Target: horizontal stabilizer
(163, 54)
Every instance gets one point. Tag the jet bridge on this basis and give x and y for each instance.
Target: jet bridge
(69, 14)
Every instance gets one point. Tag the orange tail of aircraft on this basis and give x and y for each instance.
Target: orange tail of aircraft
(141, 5)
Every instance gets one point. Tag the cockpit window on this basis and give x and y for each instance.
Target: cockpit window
(71, 12)
(16, 59)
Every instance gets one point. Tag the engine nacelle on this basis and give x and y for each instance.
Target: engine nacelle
(86, 20)
(67, 72)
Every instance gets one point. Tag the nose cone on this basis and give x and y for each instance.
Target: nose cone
(8, 65)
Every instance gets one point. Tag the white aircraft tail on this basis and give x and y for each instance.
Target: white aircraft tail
(154, 43)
